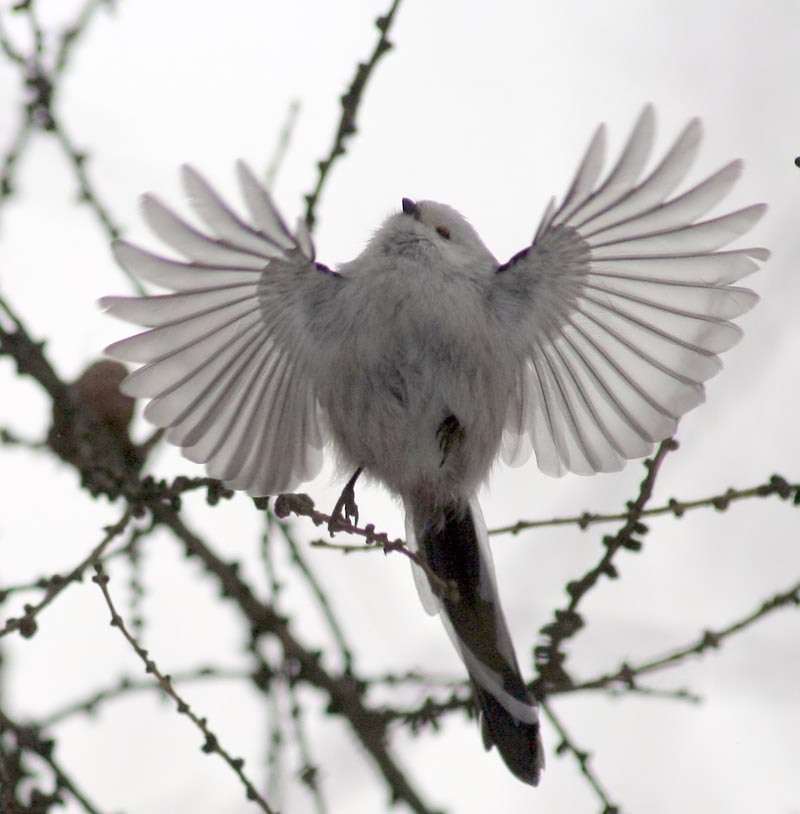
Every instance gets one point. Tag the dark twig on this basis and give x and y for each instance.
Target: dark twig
(40, 83)
(26, 624)
(627, 675)
(777, 486)
(303, 506)
(29, 739)
(350, 105)
(29, 355)
(12, 156)
(317, 592)
(87, 193)
(7, 47)
(549, 657)
(211, 743)
(72, 34)
(344, 692)
(309, 772)
(583, 758)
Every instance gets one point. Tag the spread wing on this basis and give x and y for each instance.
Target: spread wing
(227, 355)
(623, 304)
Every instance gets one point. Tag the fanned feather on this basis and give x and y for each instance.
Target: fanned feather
(226, 355)
(625, 301)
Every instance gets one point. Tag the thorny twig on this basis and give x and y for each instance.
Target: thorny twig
(351, 102)
(777, 486)
(211, 743)
(549, 656)
(568, 745)
(303, 506)
(627, 675)
(26, 624)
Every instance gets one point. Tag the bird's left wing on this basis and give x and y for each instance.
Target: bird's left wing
(228, 357)
(622, 304)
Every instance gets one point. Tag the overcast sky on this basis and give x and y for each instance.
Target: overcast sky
(488, 107)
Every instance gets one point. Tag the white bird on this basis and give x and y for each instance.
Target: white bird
(425, 358)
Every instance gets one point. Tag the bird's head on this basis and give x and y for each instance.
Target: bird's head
(431, 232)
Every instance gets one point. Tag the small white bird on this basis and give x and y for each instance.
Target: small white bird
(424, 358)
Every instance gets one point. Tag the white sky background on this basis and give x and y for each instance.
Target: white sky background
(488, 107)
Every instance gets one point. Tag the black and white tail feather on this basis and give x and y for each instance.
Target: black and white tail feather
(589, 344)
(454, 542)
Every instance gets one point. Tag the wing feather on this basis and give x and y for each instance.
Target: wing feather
(624, 302)
(227, 356)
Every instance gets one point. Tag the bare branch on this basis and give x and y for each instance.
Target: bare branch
(568, 745)
(211, 744)
(627, 675)
(26, 624)
(351, 102)
(777, 486)
(549, 657)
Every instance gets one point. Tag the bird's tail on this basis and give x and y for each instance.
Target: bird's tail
(453, 541)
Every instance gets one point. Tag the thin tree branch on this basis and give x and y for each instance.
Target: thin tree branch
(627, 674)
(211, 743)
(351, 102)
(583, 758)
(549, 656)
(282, 145)
(26, 624)
(776, 486)
(126, 686)
(317, 592)
(345, 693)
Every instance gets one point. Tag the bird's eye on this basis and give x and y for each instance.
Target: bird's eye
(443, 231)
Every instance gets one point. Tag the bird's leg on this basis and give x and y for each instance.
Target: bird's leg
(448, 434)
(346, 508)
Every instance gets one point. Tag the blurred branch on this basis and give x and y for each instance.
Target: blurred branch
(309, 772)
(71, 34)
(129, 686)
(87, 193)
(40, 84)
(12, 156)
(351, 102)
(29, 741)
(282, 145)
(297, 558)
(28, 355)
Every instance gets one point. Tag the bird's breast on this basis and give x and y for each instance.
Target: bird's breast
(414, 359)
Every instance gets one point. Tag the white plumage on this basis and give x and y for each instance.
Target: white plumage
(424, 358)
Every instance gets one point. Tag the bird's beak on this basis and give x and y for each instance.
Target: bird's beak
(409, 207)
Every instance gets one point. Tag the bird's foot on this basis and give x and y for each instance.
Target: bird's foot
(346, 509)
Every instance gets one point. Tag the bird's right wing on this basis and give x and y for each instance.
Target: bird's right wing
(228, 358)
(622, 305)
